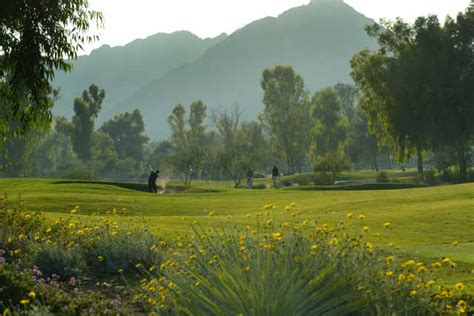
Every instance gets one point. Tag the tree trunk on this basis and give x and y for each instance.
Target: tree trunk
(462, 162)
(375, 162)
(419, 155)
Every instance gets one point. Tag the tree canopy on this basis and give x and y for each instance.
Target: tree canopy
(36, 39)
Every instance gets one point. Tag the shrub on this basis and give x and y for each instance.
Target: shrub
(382, 177)
(114, 252)
(54, 259)
(470, 175)
(291, 269)
(322, 178)
(286, 183)
(430, 176)
(447, 176)
(15, 285)
(259, 186)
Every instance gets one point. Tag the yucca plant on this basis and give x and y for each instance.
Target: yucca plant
(259, 275)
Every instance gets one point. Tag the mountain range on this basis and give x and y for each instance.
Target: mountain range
(156, 73)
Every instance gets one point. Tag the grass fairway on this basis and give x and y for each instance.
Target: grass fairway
(424, 221)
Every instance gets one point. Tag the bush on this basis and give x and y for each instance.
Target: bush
(291, 269)
(382, 177)
(323, 179)
(54, 259)
(470, 175)
(430, 176)
(112, 254)
(447, 176)
(286, 183)
(15, 284)
(259, 186)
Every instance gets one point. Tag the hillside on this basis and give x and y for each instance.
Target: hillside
(318, 39)
(124, 69)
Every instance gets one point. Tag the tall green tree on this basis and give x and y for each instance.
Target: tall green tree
(329, 135)
(104, 155)
(86, 109)
(455, 114)
(36, 39)
(189, 139)
(286, 114)
(398, 84)
(241, 145)
(127, 131)
(361, 145)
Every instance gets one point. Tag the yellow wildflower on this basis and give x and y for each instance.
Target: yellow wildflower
(277, 236)
(401, 278)
(436, 265)
(459, 286)
(386, 225)
(361, 217)
(24, 302)
(462, 304)
(32, 295)
(100, 258)
(413, 293)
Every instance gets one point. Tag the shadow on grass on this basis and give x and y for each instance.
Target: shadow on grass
(362, 186)
(141, 187)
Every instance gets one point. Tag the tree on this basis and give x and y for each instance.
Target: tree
(36, 39)
(348, 95)
(160, 156)
(86, 109)
(286, 114)
(241, 145)
(104, 155)
(188, 144)
(329, 133)
(399, 82)
(127, 131)
(361, 144)
(455, 113)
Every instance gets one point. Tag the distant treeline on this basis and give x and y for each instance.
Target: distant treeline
(414, 99)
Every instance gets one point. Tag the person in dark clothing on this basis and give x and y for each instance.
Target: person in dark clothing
(249, 178)
(152, 181)
(275, 175)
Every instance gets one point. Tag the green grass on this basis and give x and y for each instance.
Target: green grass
(425, 221)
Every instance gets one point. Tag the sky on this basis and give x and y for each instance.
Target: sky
(209, 18)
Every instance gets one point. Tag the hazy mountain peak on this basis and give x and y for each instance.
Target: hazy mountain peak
(156, 73)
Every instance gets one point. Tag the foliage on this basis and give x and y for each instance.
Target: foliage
(241, 145)
(329, 133)
(86, 109)
(410, 85)
(189, 152)
(14, 284)
(294, 267)
(127, 133)
(55, 260)
(382, 177)
(35, 41)
(430, 176)
(286, 113)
